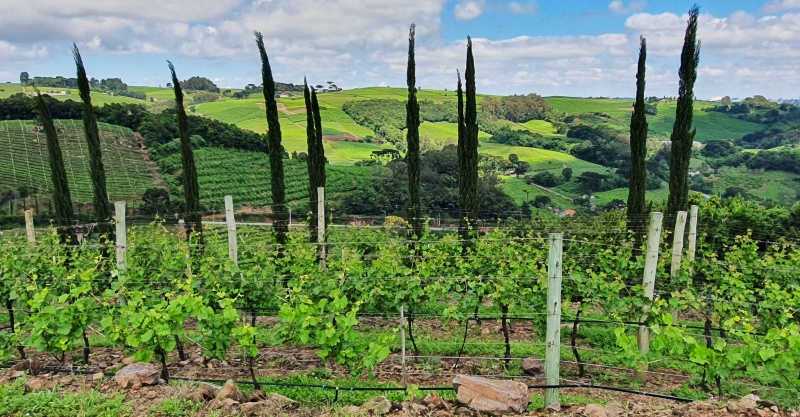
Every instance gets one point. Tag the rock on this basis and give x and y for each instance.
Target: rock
(443, 413)
(151, 395)
(732, 407)
(230, 391)
(211, 389)
(486, 331)
(417, 409)
(31, 366)
(533, 366)
(614, 409)
(198, 395)
(435, 402)
(198, 360)
(137, 375)
(98, 376)
(490, 396)
(351, 410)
(594, 410)
(774, 409)
(377, 406)
(397, 406)
(397, 368)
(128, 361)
(749, 401)
(102, 365)
(256, 395)
(465, 412)
(250, 409)
(186, 362)
(491, 407)
(284, 403)
(553, 408)
(33, 384)
(17, 374)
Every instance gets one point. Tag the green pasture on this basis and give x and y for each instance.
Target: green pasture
(540, 159)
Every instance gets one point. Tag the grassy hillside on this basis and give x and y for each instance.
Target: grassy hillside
(617, 114)
(24, 159)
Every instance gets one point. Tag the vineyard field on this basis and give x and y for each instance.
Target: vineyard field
(342, 318)
(24, 159)
(246, 176)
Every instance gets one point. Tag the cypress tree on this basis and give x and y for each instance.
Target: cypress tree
(412, 137)
(102, 208)
(58, 174)
(468, 149)
(638, 174)
(279, 212)
(316, 155)
(191, 189)
(682, 132)
(462, 140)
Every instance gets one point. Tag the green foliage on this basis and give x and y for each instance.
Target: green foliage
(638, 170)
(521, 109)
(413, 159)
(199, 84)
(204, 97)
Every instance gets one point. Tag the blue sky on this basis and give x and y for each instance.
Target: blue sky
(575, 48)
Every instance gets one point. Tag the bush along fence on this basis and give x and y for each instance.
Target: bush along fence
(724, 321)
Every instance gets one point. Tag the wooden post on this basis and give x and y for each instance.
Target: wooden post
(321, 222)
(29, 227)
(677, 244)
(553, 350)
(648, 283)
(122, 238)
(403, 346)
(230, 221)
(182, 228)
(692, 233)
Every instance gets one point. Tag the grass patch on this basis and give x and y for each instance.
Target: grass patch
(14, 401)
(174, 407)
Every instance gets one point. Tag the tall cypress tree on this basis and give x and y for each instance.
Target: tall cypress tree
(638, 175)
(191, 189)
(58, 174)
(102, 208)
(468, 149)
(412, 137)
(279, 209)
(682, 132)
(311, 142)
(462, 141)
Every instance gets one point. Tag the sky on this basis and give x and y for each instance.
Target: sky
(550, 47)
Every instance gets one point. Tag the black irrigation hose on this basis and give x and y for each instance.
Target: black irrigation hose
(337, 389)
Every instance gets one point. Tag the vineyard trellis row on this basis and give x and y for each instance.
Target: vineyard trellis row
(738, 310)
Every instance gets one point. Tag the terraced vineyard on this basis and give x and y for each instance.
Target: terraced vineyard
(24, 159)
(245, 176)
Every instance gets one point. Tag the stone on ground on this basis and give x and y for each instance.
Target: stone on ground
(594, 410)
(230, 391)
(137, 375)
(491, 396)
(377, 406)
(533, 366)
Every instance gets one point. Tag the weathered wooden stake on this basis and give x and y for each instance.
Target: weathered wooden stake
(403, 346)
(230, 221)
(692, 233)
(677, 244)
(29, 227)
(553, 350)
(122, 238)
(648, 284)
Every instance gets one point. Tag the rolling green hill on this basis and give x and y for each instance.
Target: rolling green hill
(24, 159)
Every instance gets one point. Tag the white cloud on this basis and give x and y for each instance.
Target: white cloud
(469, 9)
(617, 6)
(530, 7)
(776, 6)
